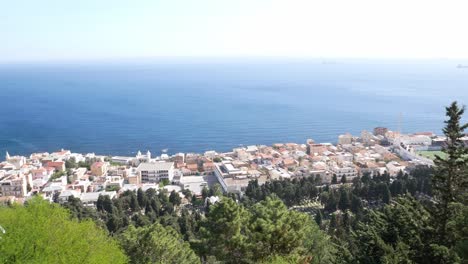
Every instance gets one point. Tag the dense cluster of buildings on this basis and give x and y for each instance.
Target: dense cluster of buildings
(59, 175)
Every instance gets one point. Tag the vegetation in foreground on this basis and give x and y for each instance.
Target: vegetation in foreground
(420, 217)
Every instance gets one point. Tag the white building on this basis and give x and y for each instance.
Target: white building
(348, 171)
(155, 172)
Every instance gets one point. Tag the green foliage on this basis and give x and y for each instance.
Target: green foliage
(450, 177)
(334, 179)
(57, 174)
(174, 198)
(71, 163)
(40, 232)
(156, 244)
(225, 232)
(234, 234)
(343, 179)
(344, 202)
(402, 232)
(164, 182)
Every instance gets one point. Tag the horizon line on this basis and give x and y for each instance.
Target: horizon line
(224, 57)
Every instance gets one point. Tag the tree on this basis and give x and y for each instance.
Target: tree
(331, 203)
(343, 179)
(216, 190)
(344, 202)
(141, 197)
(386, 195)
(78, 211)
(225, 232)
(70, 163)
(356, 205)
(403, 230)
(156, 244)
(205, 192)
(174, 198)
(334, 179)
(449, 180)
(40, 232)
(134, 206)
(318, 218)
(275, 230)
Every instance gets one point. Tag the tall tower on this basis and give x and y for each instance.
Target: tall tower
(7, 156)
(148, 155)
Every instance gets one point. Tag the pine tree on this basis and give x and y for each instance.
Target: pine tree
(141, 195)
(356, 205)
(344, 202)
(318, 218)
(156, 244)
(343, 179)
(386, 195)
(174, 198)
(449, 180)
(334, 179)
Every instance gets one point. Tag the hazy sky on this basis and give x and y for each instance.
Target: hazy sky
(94, 29)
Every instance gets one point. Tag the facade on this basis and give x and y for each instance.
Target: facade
(155, 172)
(348, 171)
(14, 185)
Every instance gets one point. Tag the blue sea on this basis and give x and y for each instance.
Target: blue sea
(193, 105)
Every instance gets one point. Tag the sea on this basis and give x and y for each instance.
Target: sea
(117, 107)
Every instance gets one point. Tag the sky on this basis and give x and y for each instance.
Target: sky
(114, 29)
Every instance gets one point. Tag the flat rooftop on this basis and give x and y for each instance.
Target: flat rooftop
(155, 166)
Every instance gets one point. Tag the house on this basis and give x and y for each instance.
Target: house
(56, 186)
(208, 166)
(99, 168)
(81, 185)
(79, 173)
(57, 165)
(40, 176)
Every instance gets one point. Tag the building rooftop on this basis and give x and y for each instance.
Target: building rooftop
(156, 166)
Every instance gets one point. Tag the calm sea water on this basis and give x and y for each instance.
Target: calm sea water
(120, 107)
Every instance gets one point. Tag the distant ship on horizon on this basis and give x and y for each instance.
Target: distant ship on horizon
(462, 66)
